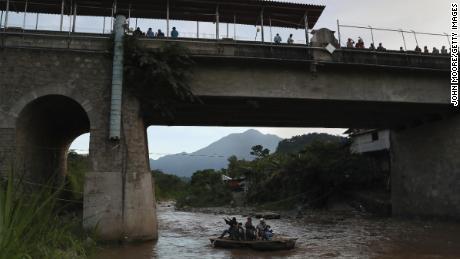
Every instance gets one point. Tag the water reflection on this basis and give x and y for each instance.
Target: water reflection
(321, 235)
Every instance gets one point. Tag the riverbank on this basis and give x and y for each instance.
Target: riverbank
(376, 203)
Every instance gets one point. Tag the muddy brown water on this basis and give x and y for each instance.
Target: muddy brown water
(321, 235)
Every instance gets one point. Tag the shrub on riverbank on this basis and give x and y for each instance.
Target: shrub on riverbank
(206, 189)
(31, 228)
(168, 187)
(309, 177)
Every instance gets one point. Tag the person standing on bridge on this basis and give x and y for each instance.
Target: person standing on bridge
(174, 33)
(160, 34)
(381, 48)
(150, 33)
(435, 51)
(290, 40)
(372, 46)
(425, 50)
(277, 39)
(418, 49)
(138, 32)
(360, 44)
(443, 50)
(350, 43)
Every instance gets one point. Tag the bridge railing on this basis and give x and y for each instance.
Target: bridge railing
(210, 48)
(395, 38)
(394, 59)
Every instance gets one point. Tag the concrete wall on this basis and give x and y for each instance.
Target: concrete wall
(426, 170)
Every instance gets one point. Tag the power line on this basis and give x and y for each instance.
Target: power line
(150, 153)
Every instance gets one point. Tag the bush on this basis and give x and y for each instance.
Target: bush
(168, 187)
(31, 228)
(309, 177)
(206, 189)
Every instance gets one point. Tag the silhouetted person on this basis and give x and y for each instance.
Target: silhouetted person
(277, 39)
(372, 46)
(160, 34)
(250, 229)
(401, 49)
(174, 33)
(381, 48)
(418, 49)
(290, 40)
(435, 50)
(425, 50)
(444, 50)
(138, 32)
(150, 33)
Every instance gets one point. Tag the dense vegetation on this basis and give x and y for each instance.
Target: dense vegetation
(306, 170)
(206, 189)
(159, 78)
(33, 225)
(297, 143)
(168, 187)
(77, 166)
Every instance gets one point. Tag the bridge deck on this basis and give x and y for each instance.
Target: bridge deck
(204, 48)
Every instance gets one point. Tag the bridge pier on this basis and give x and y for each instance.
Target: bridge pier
(426, 170)
(119, 199)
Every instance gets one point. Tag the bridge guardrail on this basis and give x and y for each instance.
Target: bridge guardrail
(231, 49)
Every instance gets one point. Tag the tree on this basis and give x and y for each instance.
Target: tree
(259, 151)
(159, 78)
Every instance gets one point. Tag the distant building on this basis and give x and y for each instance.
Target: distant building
(375, 144)
(369, 140)
(236, 184)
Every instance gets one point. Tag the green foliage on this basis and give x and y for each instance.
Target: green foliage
(296, 144)
(310, 176)
(31, 228)
(206, 189)
(286, 179)
(259, 151)
(238, 168)
(77, 166)
(158, 77)
(168, 187)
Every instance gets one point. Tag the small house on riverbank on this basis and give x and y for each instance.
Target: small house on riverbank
(235, 184)
(375, 144)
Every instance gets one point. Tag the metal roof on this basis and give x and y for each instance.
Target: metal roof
(281, 14)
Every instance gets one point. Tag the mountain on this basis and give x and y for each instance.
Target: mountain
(216, 154)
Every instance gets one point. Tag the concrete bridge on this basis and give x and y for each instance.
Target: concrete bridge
(55, 87)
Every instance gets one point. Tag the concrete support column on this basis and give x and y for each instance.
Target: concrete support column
(426, 170)
(119, 198)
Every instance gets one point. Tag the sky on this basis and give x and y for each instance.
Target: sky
(417, 15)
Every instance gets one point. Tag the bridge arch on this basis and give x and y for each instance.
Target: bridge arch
(45, 128)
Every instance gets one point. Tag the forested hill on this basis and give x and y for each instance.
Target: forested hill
(297, 143)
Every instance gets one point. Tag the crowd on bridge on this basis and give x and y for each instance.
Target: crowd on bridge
(151, 34)
(360, 45)
(250, 232)
(351, 44)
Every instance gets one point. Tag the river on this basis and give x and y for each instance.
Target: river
(322, 234)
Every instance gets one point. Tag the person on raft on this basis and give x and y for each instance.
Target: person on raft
(232, 230)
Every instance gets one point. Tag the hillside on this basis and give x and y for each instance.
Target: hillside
(298, 143)
(216, 154)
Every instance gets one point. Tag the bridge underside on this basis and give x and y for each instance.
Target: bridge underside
(271, 112)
